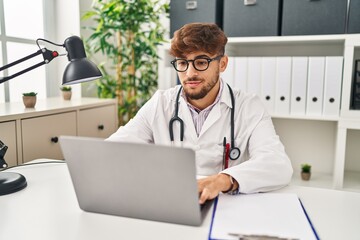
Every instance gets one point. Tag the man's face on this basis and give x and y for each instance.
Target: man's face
(197, 84)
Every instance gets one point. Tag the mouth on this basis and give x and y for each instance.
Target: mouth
(193, 83)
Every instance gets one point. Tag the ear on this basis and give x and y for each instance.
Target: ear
(223, 63)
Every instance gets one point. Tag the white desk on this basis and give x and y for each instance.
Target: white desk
(47, 209)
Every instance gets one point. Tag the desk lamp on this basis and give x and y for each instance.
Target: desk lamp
(80, 69)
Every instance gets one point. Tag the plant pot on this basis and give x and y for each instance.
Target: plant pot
(29, 101)
(66, 95)
(305, 176)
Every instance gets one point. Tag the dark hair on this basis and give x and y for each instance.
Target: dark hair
(194, 37)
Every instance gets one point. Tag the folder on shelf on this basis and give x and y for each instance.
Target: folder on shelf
(283, 83)
(228, 74)
(332, 85)
(268, 78)
(279, 215)
(254, 75)
(314, 101)
(240, 73)
(355, 93)
(298, 85)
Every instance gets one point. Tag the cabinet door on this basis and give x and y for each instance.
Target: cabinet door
(40, 135)
(97, 122)
(8, 137)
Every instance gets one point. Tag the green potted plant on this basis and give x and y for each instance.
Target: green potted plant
(29, 99)
(66, 92)
(128, 34)
(305, 171)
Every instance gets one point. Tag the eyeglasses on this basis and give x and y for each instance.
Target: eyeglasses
(200, 64)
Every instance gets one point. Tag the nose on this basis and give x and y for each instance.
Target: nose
(191, 71)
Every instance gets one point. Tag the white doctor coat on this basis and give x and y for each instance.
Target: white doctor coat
(263, 164)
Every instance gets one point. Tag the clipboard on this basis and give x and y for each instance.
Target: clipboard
(265, 215)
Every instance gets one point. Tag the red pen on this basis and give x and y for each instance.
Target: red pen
(227, 155)
(224, 154)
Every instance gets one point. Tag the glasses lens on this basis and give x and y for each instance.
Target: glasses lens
(181, 65)
(201, 64)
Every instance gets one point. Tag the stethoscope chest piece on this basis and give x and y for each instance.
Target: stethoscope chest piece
(234, 153)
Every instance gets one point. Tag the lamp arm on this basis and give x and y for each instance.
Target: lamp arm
(3, 149)
(47, 55)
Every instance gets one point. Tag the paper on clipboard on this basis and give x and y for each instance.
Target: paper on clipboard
(268, 214)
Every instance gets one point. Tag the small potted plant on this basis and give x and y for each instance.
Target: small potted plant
(66, 92)
(29, 99)
(305, 171)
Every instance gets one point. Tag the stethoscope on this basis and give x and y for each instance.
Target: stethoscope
(234, 151)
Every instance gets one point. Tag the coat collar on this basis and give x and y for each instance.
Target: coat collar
(214, 115)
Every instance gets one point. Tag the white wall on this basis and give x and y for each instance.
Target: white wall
(67, 19)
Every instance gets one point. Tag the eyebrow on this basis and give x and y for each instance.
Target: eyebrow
(202, 56)
(199, 56)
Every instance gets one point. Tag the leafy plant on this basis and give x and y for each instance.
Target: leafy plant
(127, 33)
(65, 88)
(28, 94)
(305, 168)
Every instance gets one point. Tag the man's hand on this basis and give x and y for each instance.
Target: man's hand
(210, 187)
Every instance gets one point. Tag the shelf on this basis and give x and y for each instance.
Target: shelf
(290, 39)
(329, 143)
(352, 181)
(349, 123)
(318, 179)
(305, 117)
(13, 110)
(351, 113)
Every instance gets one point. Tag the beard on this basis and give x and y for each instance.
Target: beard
(204, 90)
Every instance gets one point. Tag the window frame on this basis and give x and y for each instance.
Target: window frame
(49, 26)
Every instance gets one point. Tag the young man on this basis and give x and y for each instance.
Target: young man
(237, 149)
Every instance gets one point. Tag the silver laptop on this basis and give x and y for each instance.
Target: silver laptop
(143, 181)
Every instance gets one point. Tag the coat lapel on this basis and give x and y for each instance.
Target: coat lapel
(185, 114)
(217, 111)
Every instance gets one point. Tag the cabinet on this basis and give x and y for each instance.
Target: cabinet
(33, 133)
(95, 122)
(329, 143)
(40, 135)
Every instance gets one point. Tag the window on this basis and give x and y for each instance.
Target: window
(21, 23)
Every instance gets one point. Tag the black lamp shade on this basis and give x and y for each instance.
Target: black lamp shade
(80, 69)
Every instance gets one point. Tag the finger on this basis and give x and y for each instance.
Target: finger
(204, 196)
(200, 185)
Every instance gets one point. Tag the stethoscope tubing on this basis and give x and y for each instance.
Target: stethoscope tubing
(234, 151)
(176, 118)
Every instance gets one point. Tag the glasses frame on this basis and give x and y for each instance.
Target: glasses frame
(209, 60)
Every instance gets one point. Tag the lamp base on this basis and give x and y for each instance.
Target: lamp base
(11, 182)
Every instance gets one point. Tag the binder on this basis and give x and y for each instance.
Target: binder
(185, 11)
(254, 75)
(298, 85)
(240, 73)
(268, 80)
(313, 17)
(283, 81)
(332, 85)
(243, 18)
(355, 93)
(228, 74)
(314, 101)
